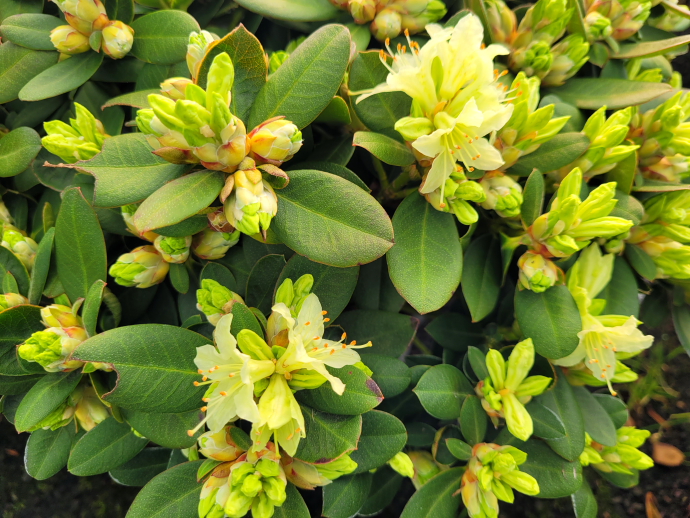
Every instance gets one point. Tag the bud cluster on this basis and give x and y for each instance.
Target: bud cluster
(82, 405)
(389, 18)
(492, 474)
(215, 300)
(455, 196)
(507, 389)
(310, 476)
(82, 139)
(90, 28)
(614, 20)
(22, 246)
(624, 457)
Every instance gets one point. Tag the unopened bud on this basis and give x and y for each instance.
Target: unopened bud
(402, 464)
(174, 88)
(173, 249)
(143, 267)
(275, 142)
(67, 40)
(117, 39)
(387, 24)
(199, 43)
(215, 300)
(20, 245)
(537, 273)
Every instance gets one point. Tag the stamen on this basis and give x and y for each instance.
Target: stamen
(204, 378)
(344, 336)
(324, 312)
(307, 323)
(204, 408)
(223, 393)
(353, 342)
(326, 319)
(332, 351)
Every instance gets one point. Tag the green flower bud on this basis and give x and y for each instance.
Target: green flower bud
(522, 482)
(277, 58)
(20, 245)
(502, 21)
(67, 40)
(537, 273)
(143, 267)
(402, 464)
(5, 216)
(86, 16)
(219, 445)
(9, 300)
(211, 245)
(338, 468)
(496, 366)
(387, 24)
(517, 418)
(561, 246)
(117, 39)
(253, 203)
(275, 141)
(57, 315)
(598, 26)
(199, 43)
(251, 485)
(569, 55)
(362, 11)
(503, 194)
(215, 300)
(81, 140)
(174, 88)
(89, 410)
(253, 345)
(238, 504)
(262, 507)
(465, 213)
(306, 379)
(173, 249)
(424, 467)
(411, 128)
(52, 347)
(274, 488)
(532, 386)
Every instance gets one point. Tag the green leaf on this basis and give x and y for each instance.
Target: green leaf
(243, 318)
(304, 84)
(615, 407)
(435, 498)
(161, 37)
(473, 420)
(122, 10)
(455, 331)
(640, 260)
(420, 435)
(156, 357)
(167, 430)
(126, 171)
(333, 286)
(62, 77)
(12, 264)
(17, 149)
(425, 264)
(384, 488)
(550, 319)
(337, 112)
(17, 385)
(247, 56)
(262, 282)
(624, 173)
(533, 198)
(547, 424)
(361, 393)
(220, 274)
(30, 30)
(460, 450)
(628, 207)
(383, 435)
(179, 278)
(598, 423)
(390, 374)
(172, 494)
(47, 451)
(178, 200)
(592, 94)
(12, 7)
(681, 324)
(292, 10)
(44, 397)
(561, 400)
(331, 220)
(91, 306)
(389, 333)
(584, 503)
(138, 99)
(483, 276)
(621, 292)
(16, 325)
(557, 477)
(105, 447)
(345, 496)
(328, 436)
(333, 168)
(142, 468)
(442, 391)
(79, 245)
(379, 112)
(649, 49)
(622, 480)
(386, 149)
(558, 152)
(39, 273)
(293, 507)
(18, 65)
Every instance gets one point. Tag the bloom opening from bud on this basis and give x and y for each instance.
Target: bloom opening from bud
(23, 247)
(143, 267)
(215, 300)
(68, 40)
(51, 348)
(80, 140)
(117, 39)
(274, 141)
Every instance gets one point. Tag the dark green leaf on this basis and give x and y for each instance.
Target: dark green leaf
(79, 245)
(262, 282)
(333, 168)
(167, 430)
(91, 306)
(386, 149)
(384, 488)
(293, 10)
(615, 407)
(328, 436)
(681, 323)
(390, 374)
(39, 273)
(44, 397)
(435, 498)
(345, 496)
(557, 477)
(18, 65)
(460, 450)
(243, 318)
(62, 77)
(584, 503)
(621, 292)
(382, 437)
(11, 264)
(304, 84)
(142, 468)
(442, 391)
(14, 385)
(628, 207)
(473, 420)
(624, 173)
(640, 260)
(375, 290)
(30, 30)
(483, 276)
(220, 274)
(551, 319)
(157, 357)
(533, 198)
(425, 264)
(598, 423)
(47, 451)
(17, 149)
(547, 424)
(455, 331)
(560, 151)
(16, 325)
(592, 94)
(162, 36)
(179, 277)
(389, 333)
(293, 507)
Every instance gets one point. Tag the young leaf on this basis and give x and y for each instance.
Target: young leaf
(92, 304)
(44, 397)
(386, 149)
(533, 198)
(460, 450)
(435, 498)
(425, 264)
(47, 451)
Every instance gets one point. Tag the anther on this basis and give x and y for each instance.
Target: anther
(223, 393)
(326, 319)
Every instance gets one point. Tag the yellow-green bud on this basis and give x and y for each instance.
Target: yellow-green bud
(496, 366)
(174, 88)
(252, 204)
(503, 194)
(86, 16)
(52, 347)
(362, 11)
(532, 386)
(20, 245)
(274, 141)
(402, 464)
(219, 445)
(173, 249)
(522, 482)
(143, 267)
(117, 39)
(89, 410)
(57, 315)
(424, 467)
(338, 468)
(411, 128)
(199, 43)
(81, 140)
(537, 273)
(519, 364)
(253, 345)
(238, 504)
(215, 300)
(386, 24)
(9, 300)
(211, 245)
(68, 40)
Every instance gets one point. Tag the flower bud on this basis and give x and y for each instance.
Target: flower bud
(521, 481)
(211, 245)
(275, 142)
(411, 128)
(465, 213)
(238, 504)
(387, 24)
(532, 386)
(52, 347)
(128, 212)
(253, 203)
(143, 267)
(199, 43)
(502, 21)
(57, 315)
(20, 245)
(9, 300)
(503, 194)
(67, 40)
(117, 39)
(598, 26)
(89, 409)
(402, 464)
(86, 16)
(537, 273)
(362, 11)
(496, 366)
(174, 88)
(81, 140)
(569, 55)
(173, 249)
(215, 300)
(338, 468)
(424, 467)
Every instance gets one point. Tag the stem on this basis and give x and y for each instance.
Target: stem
(421, 346)
(381, 172)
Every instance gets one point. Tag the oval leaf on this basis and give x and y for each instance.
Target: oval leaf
(328, 436)
(435, 498)
(442, 391)
(161, 37)
(18, 65)
(483, 276)
(47, 451)
(17, 149)
(383, 435)
(386, 149)
(44, 397)
(592, 94)
(558, 152)
(62, 77)
(293, 10)
(30, 30)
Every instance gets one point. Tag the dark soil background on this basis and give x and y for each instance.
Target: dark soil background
(67, 496)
